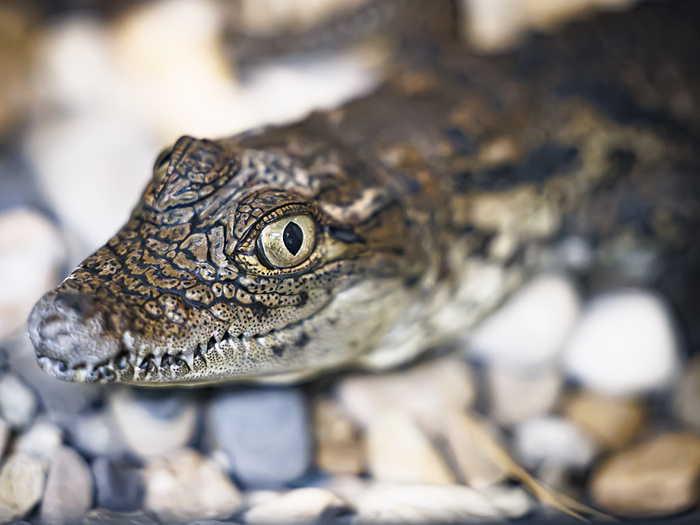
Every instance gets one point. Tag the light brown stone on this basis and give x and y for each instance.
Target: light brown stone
(187, 486)
(338, 446)
(657, 478)
(611, 421)
(475, 467)
(21, 485)
(399, 451)
(428, 392)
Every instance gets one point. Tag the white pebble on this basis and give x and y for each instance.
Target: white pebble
(423, 504)
(17, 401)
(624, 345)
(553, 442)
(297, 506)
(40, 440)
(530, 329)
(516, 396)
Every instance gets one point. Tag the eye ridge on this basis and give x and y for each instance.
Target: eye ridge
(293, 237)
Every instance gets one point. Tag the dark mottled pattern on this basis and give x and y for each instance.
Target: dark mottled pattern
(457, 162)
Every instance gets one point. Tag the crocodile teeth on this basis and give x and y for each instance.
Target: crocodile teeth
(189, 359)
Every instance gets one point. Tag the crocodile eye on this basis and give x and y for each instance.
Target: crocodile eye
(288, 242)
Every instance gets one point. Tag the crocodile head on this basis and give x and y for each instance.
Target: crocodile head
(242, 260)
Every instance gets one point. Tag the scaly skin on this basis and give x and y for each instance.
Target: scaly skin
(430, 199)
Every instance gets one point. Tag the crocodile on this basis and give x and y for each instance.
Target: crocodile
(365, 235)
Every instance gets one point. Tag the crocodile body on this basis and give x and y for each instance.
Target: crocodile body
(415, 210)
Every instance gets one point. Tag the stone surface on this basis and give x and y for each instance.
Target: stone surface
(31, 254)
(612, 421)
(4, 434)
(338, 446)
(61, 400)
(151, 422)
(68, 494)
(97, 434)
(187, 486)
(553, 442)
(42, 439)
(388, 503)
(529, 330)
(17, 401)
(426, 391)
(399, 451)
(513, 502)
(109, 517)
(304, 505)
(21, 486)
(346, 486)
(516, 396)
(624, 345)
(472, 463)
(263, 434)
(654, 479)
(686, 399)
(118, 485)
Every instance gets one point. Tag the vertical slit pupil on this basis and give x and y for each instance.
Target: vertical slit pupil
(293, 237)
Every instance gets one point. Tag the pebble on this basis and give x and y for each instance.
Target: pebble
(338, 446)
(17, 401)
(686, 399)
(624, 345)
(118, 485)
(66, 502)
(513, 502)
(153, 423)
(264, 434)
(553, 442)
(612, 421)
(61, 400)
(654, 479)
(517, 396)
(472, 463)
(389, 503)
(31, 255)
(21, 486)
(4, 434)
(399, 451)
(41, 440)
(427, 392)
(96, 434)
(304, 505)
(109, 517)
(347, 486)
(186, 486)
(529, 330)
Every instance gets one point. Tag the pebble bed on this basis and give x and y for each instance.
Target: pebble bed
(591, 391)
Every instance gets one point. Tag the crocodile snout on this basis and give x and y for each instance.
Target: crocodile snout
(67, 329)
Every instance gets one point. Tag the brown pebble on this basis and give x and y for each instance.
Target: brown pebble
(339, 449)
(657, 478)
(611, 421)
